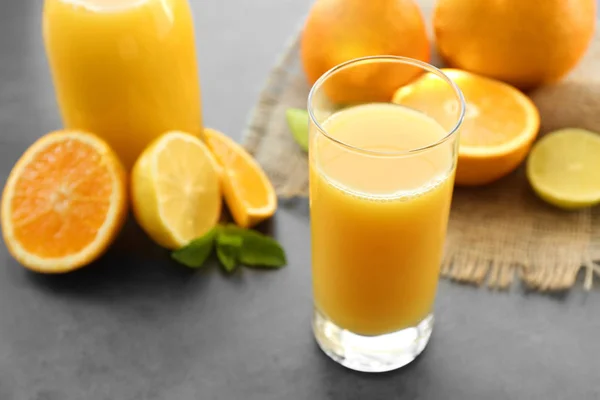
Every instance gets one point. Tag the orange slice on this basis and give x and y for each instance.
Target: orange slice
(248, 192)
(64, 202)
(499, 127)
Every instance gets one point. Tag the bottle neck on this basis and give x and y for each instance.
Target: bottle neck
(106, 5)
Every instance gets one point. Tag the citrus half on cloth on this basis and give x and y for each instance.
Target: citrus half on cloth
(499, 126)
(563, 168)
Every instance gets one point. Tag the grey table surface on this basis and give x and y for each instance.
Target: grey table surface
(134, 326)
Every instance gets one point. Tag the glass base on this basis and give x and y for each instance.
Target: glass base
(371, 353)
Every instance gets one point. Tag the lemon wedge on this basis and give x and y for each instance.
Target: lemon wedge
(175, 190)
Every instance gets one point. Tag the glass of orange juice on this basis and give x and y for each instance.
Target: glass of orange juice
(125, 70)
(381, 179)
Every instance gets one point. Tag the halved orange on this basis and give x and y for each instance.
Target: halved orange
(248, 191)
(499, 127)
(64, 202)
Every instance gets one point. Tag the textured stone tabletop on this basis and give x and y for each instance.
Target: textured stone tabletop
(135, 326)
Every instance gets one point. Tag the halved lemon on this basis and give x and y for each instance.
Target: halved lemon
(248, 191)
(564, 168)
(175, 190)
(64, 202)
(499, 127)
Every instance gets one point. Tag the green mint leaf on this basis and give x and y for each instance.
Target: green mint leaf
(228, 257)
(297, 120)
(228, 249)
(262, 251)
(232, 233)
(257, 250)
(195, 253)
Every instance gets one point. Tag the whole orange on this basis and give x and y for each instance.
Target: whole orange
(522, 42)
(341, 30)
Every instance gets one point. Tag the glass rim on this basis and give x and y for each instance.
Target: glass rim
(392, 59)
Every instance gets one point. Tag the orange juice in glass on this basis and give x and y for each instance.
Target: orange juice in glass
(124, 69)
(381, 180)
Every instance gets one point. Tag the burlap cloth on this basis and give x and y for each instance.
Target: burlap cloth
(496, 232)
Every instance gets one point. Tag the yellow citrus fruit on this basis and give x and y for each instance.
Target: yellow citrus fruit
(499, 127)
(563, 168)
(248, 192)
(64, 202)
(175, 190)
(524, 43)
(337, 31)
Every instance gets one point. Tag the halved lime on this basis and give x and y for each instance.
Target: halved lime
(564, 168)
(297, 120)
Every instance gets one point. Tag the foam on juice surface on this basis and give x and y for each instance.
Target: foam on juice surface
(406, 164)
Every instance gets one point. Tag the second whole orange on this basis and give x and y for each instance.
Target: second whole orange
(337, 31)
(521, 42)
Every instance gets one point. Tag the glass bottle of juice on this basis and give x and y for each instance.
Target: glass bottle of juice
(125, 70)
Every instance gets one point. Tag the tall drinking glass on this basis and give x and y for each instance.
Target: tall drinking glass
(381, 178)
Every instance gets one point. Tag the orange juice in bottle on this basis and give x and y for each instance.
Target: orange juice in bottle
(125, 70)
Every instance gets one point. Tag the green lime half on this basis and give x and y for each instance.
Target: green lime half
(564, 168)
(297, 120)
